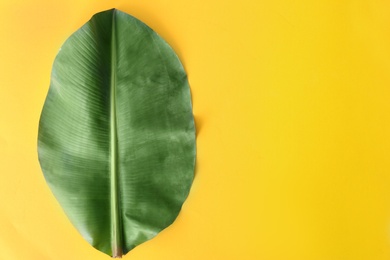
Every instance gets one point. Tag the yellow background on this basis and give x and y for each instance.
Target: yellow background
(292, 106)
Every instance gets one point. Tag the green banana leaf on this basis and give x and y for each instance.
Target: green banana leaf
(116, 137)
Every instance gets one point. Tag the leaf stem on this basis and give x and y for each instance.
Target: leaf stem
(116, 238)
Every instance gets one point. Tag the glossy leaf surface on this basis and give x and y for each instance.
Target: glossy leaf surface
(116, 137)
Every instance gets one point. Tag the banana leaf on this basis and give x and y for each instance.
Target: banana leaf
(116, 140)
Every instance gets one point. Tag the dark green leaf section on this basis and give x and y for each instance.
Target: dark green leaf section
(116, 137)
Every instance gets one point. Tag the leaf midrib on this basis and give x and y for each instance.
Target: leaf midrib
(116, 226)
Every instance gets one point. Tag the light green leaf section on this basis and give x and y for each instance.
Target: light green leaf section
(116, 136)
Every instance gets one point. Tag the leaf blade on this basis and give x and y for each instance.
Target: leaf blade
(154, 128)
